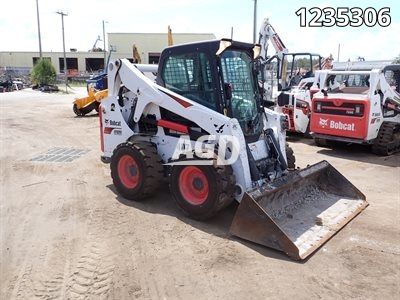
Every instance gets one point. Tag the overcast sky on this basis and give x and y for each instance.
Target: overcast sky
(83, 24)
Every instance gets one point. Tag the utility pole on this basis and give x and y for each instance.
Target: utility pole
(38, 25)
(65, 57)
(338, 52)
(255, 21)
(104, 45)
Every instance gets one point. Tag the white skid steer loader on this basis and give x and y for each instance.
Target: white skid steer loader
(361, 107)
(204, 126)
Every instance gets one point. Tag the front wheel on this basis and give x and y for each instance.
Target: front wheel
(136, 170)
(201, 191)
(77, 111)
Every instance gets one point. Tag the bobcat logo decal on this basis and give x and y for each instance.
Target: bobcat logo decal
(323, 122)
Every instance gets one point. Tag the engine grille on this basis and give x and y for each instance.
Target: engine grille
(344, 109)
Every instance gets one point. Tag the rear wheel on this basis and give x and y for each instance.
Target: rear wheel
(136, 170)
(201, 191)
(77, 111)
(388, 140)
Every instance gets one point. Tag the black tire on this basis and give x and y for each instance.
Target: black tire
(291, 159)
(388, 139)
(147, 168)
(220, 192)
(77, 111)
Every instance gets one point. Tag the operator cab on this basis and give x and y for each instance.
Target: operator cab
(298, 66)
(293, 67)
(292, 70)
(219, 74)
(392, 75)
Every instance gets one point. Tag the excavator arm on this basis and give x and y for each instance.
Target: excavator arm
(268, 33)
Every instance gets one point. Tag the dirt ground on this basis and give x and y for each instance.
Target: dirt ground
(65, 233)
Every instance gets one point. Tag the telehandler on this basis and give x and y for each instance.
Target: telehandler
(204, 126)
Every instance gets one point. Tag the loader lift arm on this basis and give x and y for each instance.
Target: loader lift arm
(148, 94)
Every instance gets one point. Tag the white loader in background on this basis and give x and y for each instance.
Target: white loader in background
(205, 109)
(361, 107)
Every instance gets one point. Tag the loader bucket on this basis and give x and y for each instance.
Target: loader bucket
(299, 212)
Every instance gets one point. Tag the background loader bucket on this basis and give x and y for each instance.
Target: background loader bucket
(299, 212)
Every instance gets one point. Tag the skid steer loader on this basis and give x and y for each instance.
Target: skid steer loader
(204, 126)
(361, 107)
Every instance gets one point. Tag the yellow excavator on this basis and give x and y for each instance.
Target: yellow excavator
(98, 90)
(85, 105)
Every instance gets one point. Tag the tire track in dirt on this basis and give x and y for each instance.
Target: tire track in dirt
(20, 285)
(92, 274)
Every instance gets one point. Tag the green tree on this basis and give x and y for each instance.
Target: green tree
(43, 72)
(397, 60)
(303, 62)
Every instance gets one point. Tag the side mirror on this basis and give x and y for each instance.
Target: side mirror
(228, 91)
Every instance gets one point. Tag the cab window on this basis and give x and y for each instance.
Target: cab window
(190, 76)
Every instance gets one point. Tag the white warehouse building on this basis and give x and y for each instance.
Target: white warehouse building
(149, 46)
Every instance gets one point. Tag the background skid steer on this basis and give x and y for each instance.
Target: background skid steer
(361, 107)
(209, 89)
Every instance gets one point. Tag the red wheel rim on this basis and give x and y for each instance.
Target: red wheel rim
(193, 185)
(128, 171)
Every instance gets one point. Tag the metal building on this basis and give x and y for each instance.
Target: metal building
(149, 46)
